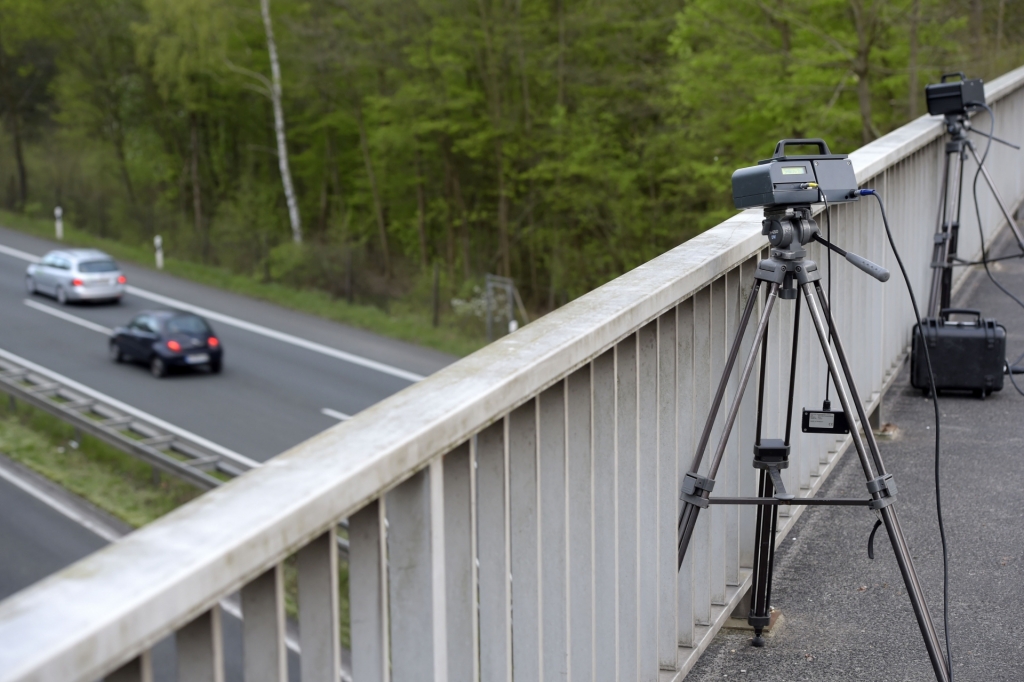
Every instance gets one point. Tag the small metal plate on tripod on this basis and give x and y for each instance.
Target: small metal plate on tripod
(825, 421)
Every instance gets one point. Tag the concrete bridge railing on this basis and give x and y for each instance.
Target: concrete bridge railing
(513, 517)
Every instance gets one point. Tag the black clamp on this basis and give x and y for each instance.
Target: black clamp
(692, 483)
(773, 454)
(884, 485)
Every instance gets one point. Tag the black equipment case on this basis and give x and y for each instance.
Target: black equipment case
(966, 356)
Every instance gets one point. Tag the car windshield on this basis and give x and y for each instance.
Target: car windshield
(186, 324)
(97, 266)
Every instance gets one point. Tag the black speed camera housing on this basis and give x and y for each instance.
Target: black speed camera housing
(795, 180)
(953, 97)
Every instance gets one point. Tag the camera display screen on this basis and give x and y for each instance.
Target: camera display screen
(793, 170)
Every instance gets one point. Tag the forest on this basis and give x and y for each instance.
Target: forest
(365, 145)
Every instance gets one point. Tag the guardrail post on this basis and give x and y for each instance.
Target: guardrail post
(719, 348)
(415, 511)
(318, 609)
(580, 526)
(264, 653)
(606, 641)
(551, 475)
(493, 550)
(201, 649)
(139, 669)
(367, 578)
(459, 563)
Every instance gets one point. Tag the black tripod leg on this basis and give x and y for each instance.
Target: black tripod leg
(941, 244)
(696, 499)
(851, 406)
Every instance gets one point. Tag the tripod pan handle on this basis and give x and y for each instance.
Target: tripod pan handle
(873, 269)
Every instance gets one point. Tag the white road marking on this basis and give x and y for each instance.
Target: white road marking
(17, 253)
(250, 327)
(276, 335)
(74, 319)
(49, 500)
(128, 409)
(340, 416)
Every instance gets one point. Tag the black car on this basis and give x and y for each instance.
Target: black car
(166, 339)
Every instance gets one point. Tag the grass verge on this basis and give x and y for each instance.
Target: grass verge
(410, 325)
(113, 481)
(117, 483)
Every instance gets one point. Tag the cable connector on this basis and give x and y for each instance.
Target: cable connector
(864, 192)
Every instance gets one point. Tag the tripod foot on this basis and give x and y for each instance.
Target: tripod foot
(758, 640)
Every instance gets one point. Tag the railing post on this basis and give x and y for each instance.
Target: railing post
(265, 656)
(493, 550)
(625, 501)
(139, 669)
(459, 563)
(647, 503)
(368, 593)
(524, 527)
(668, 507)
(318, 609)
(552, 490)
(606, 642)
(580, 525)
(416, 582)
(686, 440)
(201, 649)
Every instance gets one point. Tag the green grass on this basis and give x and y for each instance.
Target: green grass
(405, 323)
(113, 481)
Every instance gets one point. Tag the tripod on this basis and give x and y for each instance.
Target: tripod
(948, 225)
(787, 270)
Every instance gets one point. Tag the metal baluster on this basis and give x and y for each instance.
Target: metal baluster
(626, 503)
(524, 527)
(687, 440)
(367, 588)
(459, 564)
(647, 502)
(703, 376)
(318, 609)
(493, 552)
(201, 649)
(581, 529)
(606, 643)
(553, 538)
(139, 669)
(265, 658)
(668, 492)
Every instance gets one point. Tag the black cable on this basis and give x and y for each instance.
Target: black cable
(935, 403)
(981, 233)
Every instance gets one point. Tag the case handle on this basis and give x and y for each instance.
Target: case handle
(780, 148)
(950, 75)
(946, 312)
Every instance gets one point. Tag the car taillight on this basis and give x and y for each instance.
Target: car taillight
(213, 342)
(77, 282)
(122, 279)
(174, 345)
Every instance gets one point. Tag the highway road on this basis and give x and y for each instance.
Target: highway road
(287, 376)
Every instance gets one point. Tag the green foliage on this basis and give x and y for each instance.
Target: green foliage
(560, 142)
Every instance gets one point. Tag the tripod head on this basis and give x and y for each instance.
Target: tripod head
(785, 225)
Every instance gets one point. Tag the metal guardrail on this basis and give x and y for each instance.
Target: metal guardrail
(513, 516)
(167, 452)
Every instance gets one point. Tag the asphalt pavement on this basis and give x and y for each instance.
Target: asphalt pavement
(846, 617)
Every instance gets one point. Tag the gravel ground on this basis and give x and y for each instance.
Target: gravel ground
(845, 617)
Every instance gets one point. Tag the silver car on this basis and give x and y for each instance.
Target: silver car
(76, 275)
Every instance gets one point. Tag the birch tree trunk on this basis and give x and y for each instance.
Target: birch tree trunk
(282, 146)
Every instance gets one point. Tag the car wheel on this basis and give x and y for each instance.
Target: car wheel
(62, 296)
(115, 352)
(157, 367)
(30, 286)
(215, 367)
